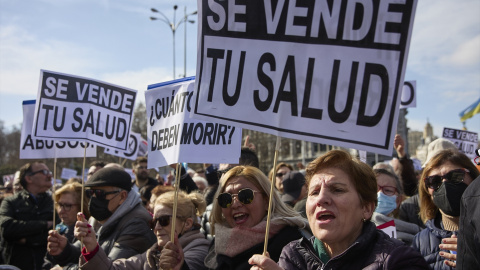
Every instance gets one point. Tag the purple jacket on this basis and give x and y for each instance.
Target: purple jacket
(373, 249)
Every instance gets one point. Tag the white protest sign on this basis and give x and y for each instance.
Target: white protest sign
(68, 173)
(327, 72)
(362, 156)
(133, 148)
(409, 95)
(142, 148)
(389, 228)
(466, 141)
(35, 148)
(173, 137)
(76, 108)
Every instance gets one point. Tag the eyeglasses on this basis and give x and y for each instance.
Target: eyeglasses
(45, 172)
(387, 190)
(100, 194)
(454, 176)
(244, 196)
(66, 206)
(279, 174)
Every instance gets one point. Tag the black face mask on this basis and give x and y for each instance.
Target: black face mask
(99, 209)
(448, 197)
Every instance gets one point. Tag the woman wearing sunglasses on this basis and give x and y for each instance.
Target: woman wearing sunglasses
(444, 179)
(342, 195)
(238, 220)
(187, 235)
(280, 170)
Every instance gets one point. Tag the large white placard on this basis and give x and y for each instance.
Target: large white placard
(466, 141)
(323, 71)
(37, 148)
(76, 108)
(173, 137)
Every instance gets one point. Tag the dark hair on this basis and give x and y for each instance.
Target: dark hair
(248, 157)
(24, 171)
(146, 191)
(98, 163)
(140, 160)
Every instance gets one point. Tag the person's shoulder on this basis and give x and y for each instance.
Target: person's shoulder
(152, 181)
(136, 213)
(17, 197)
(473, 189)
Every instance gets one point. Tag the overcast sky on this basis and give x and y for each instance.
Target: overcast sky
(114, 41)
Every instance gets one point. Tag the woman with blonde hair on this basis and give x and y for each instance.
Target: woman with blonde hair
(239, 216)
(187, 236)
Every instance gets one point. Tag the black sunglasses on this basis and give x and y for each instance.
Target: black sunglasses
(244, 196)
(100, 194)
(45, 172)
(279, 174)
(162, 220)
(454, 176)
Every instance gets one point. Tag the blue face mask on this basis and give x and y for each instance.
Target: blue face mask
(386, 204)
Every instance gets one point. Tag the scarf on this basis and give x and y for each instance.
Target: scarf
(233, 241)
(450, 223)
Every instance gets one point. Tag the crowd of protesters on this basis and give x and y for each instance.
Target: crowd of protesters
(323, 216)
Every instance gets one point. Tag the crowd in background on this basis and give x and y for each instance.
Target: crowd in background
(323, 215)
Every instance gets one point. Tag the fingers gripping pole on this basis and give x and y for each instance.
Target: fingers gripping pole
(175, 200)
(267, 229)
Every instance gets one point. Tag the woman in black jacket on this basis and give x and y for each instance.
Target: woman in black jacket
(342, 195)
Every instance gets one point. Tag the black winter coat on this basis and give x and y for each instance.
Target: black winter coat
(469, 231)
(373, 249)
(23, 223)
(427, 241)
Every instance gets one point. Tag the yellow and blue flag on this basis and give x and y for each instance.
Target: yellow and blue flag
(470, 111)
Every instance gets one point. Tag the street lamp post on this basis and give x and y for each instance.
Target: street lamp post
(174, 26)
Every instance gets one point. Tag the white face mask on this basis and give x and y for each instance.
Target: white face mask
(386, 204)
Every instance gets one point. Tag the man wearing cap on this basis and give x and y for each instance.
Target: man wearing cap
(295, 191)
(118, 217)
(26, 217)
